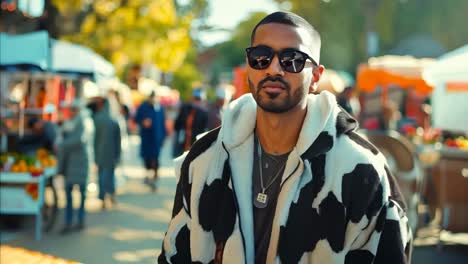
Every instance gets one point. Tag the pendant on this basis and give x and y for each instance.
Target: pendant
(261, 200)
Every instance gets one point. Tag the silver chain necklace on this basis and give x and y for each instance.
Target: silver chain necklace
(261, 199)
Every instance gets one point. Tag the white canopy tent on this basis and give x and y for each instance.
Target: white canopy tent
(72, 58)
(449, 76)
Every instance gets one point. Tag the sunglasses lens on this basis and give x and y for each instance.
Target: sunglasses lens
(259, 57)
(292, 60)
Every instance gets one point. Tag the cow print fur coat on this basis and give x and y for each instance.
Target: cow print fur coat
(338, 201)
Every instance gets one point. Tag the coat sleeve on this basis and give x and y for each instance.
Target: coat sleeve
(163, 115)
(176, 242)
(387, 238)
(396, 239)
(395, 242)
(139, 113)
(118, 140)
(97, 137)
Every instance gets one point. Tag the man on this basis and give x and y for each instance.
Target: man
(215, 110)
(107, 149)
(151, 119)
(73, 162)
(43, 135)
(191, 121)
(348, 101)
(286, 178)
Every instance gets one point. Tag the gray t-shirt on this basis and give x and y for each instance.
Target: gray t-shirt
(263, 217)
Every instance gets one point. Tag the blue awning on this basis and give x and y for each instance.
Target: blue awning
(36, 51)
(26, 50)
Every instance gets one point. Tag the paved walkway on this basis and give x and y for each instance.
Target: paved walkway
(132, 231)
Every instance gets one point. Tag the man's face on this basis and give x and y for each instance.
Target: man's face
(38, 127)
(274, 89)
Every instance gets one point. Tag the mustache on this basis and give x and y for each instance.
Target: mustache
(273, 79)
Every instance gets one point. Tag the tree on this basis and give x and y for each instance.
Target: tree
(343, 24)
(133, 31)
(129, 32)
(187, 75)
(231, 53)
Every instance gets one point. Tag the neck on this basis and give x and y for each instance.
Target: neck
(278, 133)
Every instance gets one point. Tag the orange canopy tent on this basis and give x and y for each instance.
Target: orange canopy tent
(401, 71)
(389, 72)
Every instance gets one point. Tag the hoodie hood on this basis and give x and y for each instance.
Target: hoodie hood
(323, 115)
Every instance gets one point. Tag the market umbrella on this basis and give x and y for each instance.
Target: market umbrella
(76, 59)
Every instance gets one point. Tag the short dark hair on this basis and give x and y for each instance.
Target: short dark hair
(32, 121)
(291, 19)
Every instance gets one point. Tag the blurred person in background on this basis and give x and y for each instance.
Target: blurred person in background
(73, 162)
(122, 108)
(43, 135)
(191, 121)
(286, 178)
(107, 149)
(121, 114)
(215, 109)
(349, 102)
(119, 111)
(390, 117)
(150, 118)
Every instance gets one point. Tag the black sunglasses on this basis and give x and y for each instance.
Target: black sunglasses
(291, 60)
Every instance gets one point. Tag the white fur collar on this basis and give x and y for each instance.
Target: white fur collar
(239, 119)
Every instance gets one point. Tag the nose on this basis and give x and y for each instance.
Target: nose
(275, 67)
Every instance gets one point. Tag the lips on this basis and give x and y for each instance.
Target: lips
(273, 87)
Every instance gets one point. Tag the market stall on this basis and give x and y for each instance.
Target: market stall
(392, 95)
(38, 76)
(394, 80)
(22, 188)
(449, 76)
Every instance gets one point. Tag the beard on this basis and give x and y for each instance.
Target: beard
(276, 102)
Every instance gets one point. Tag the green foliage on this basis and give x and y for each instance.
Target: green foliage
(184, 78)
(232, 52)
(444, 20)
(187, 75)
(134, 31)
(129, 32)
(343, 25)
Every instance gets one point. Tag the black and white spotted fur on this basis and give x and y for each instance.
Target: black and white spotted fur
(337, 202)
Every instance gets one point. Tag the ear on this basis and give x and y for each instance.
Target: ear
(316, 74)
